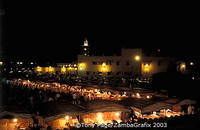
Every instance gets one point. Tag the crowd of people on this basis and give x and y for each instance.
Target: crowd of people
(74, 79)
(31, 94)
(88, 93)
(75, 91)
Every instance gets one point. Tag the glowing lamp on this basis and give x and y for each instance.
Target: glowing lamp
(99, 116)
(70, 68)
(15, 120)
(137, 58)
(182, 66)
(117, 114)
(66, 117)
(138, 95)
(104, 64)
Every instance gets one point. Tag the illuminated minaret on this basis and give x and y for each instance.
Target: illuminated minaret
(85, 48)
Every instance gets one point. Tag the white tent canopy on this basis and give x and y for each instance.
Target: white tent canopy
(156, 107)
(186, 102)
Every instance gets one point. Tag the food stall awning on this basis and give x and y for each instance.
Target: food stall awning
(15, 111)
(14, 115)
(156, 107)
(186, 102)
(105, 106)
(172, 101)
(55, 110)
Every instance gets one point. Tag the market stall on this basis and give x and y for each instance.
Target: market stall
(61, 115)
(15, 121)
(105, 112)
(156, 110)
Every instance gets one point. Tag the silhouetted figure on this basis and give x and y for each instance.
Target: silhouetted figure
(35, 121)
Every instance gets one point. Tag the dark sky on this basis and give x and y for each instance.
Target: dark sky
(55, 31)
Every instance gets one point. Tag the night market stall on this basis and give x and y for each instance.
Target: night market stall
(61, 115)
(187, 106)
(152, 109)
(15, 121)
(100, 111)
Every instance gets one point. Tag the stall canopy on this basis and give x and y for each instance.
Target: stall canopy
(172, 101)
(10, 115)
(54, 110)
(15, 111)
(156, 107)
(138, 103)
(186, 102)
(104, 106)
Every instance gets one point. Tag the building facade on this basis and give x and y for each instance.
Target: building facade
(130, 62)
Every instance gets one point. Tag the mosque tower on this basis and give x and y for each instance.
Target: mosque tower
(85, 48)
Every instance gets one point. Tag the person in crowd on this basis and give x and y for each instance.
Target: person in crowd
(189, 109)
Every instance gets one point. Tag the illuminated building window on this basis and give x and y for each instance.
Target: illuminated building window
(63, 69)
(50, 69)
(104, 67)
(146, 67)
(39, 69)
(82, 66)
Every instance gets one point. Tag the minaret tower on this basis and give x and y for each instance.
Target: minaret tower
(85, 48)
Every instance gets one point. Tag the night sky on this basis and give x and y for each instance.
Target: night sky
(55, 31)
